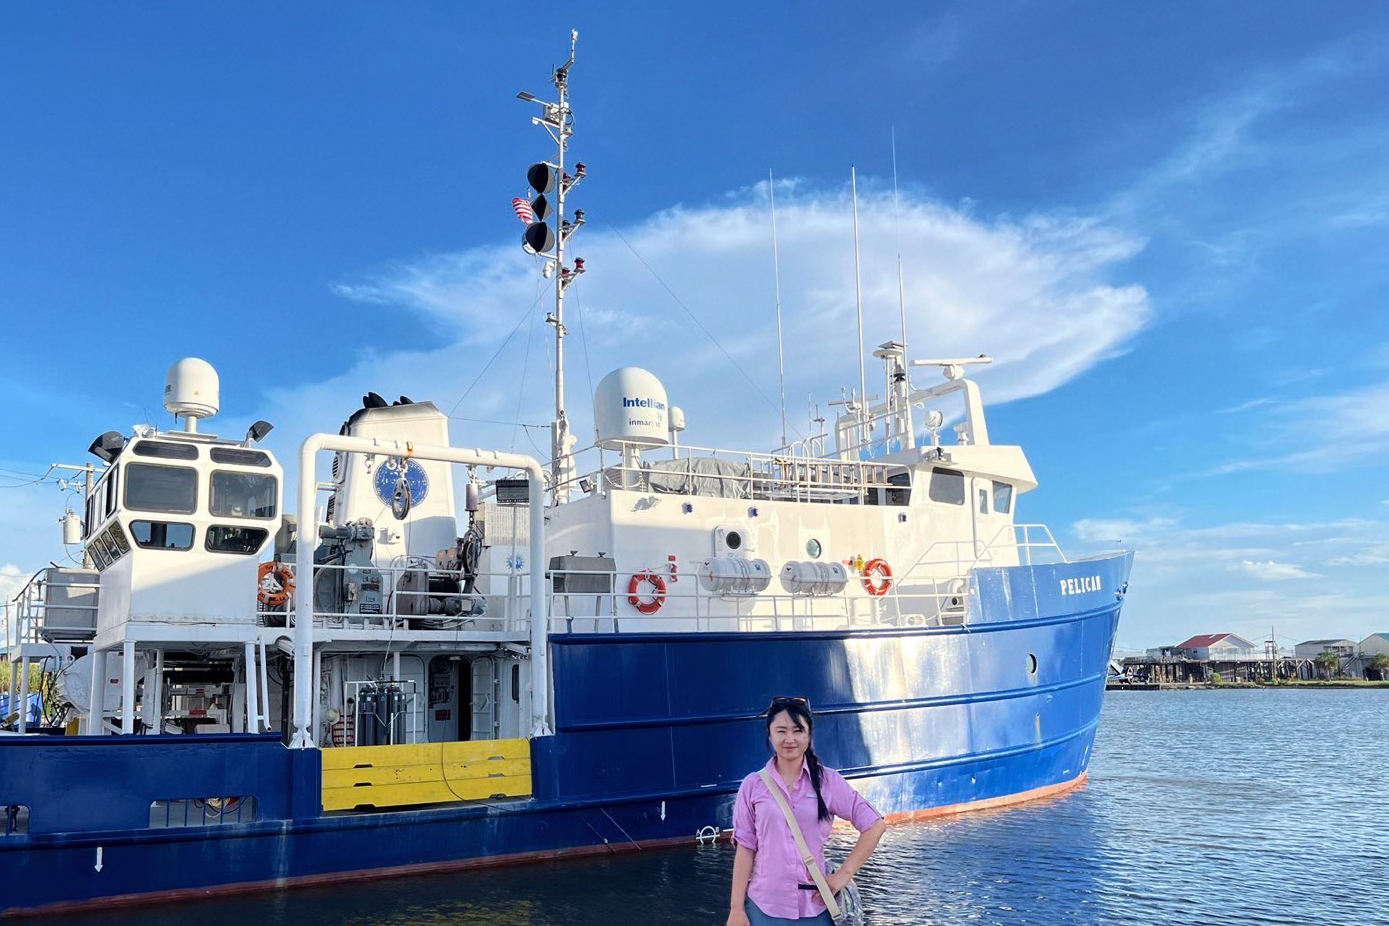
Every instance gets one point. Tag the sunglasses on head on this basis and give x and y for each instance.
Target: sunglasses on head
(781, 702)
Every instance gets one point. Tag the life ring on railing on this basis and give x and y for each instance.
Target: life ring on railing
(877, 577)
(274, 583)
(658, 592)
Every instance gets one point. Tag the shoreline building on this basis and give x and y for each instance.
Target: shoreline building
(1216, 647)
(1311, 649)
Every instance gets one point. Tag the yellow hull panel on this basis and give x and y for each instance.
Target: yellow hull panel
(424, 773)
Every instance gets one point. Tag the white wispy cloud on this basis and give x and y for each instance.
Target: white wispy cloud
(1275, 572)
(1329, 432)
(1034, 291)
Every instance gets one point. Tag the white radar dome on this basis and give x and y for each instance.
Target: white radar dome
(192, 390)
(629, 407)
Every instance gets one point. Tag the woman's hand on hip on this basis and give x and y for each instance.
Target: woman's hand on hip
(837, 879)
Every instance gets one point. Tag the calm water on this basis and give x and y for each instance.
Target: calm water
(1246, 807)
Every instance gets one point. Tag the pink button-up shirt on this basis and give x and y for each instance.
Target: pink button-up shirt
(759, 825)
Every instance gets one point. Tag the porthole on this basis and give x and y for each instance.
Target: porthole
(733, 540)
(1032, 664)
(812, 548)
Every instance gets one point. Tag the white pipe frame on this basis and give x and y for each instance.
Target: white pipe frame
(304, 692)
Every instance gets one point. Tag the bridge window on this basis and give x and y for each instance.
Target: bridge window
(243, 495)
(902, 495)
(169, 489)
(1003, 498)
(947, 486)
(111, 492)
(93, 516)
(116, 536)
(165, 450)
(245, 540)
(162, 535)
(239, 456)
(110, 546)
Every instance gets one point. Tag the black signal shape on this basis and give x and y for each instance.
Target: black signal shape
(541, 177)
(541, 208)
(539, 238)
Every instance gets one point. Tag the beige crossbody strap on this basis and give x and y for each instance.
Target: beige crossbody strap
(806, 856)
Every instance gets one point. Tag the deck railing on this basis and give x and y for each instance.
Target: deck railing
(736, 474)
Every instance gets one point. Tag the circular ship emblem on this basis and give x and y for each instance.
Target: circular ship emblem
(388, 477)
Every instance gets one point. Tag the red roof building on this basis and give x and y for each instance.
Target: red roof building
(1216, 646)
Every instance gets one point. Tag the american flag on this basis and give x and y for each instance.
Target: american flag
(524, 212)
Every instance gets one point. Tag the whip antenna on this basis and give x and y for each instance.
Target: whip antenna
(776, 272)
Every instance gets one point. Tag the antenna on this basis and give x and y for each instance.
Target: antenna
(549, 177)
(776, 270)
(897, 221)
(858, 295)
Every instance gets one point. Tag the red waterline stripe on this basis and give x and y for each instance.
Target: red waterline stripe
(491, 861)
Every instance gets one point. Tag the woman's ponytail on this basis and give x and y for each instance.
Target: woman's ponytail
(814, 764)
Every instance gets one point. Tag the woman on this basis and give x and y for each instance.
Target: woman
(771, 885)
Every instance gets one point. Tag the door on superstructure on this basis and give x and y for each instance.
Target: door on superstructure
(483, 692)
(445, 721)
(991, 507)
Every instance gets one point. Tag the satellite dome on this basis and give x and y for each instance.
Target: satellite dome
(629, 407)
(192, 390)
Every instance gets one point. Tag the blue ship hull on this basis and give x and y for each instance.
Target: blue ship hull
(653, 735)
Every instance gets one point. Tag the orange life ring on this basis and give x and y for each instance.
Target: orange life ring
(274, 583)
(877, 577)
(658, 594)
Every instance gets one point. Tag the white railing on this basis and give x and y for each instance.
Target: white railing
(685, 605)
(758, 476)
(399, 597)
(1011, 545)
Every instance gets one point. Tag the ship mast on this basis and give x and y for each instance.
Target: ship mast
(545, 178)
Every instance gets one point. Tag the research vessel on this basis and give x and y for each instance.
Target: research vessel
(459, 657)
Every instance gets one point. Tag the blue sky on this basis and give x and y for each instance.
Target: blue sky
(1168, 222)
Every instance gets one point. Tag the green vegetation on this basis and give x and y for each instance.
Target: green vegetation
(7, 670)
(1329, 663)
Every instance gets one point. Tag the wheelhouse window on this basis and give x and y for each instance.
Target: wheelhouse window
(115, 539)
(947, 486)
(222, 538)
(243, 495)
(167, 489)
(108, 546)
(162, 535)
(97, 550)
(239, 456)
(92, 516)
(111, 492)
(165, 450)
(902, 494)
(1003, 498)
